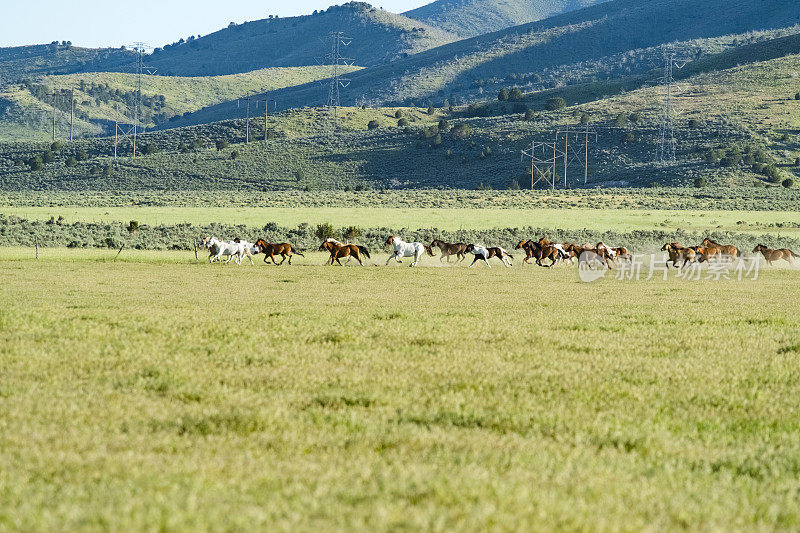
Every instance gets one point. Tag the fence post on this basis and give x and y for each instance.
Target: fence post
(36, 244)
(120, 251)
(195, 250)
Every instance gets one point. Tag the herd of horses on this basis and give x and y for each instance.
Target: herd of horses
(543, 252)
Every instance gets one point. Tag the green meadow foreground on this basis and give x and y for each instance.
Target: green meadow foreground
(156, 392)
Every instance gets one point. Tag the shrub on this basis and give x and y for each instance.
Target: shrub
(133, 226)
(235, 154)
(797, 161)
(503, 95)
(373, 125)
(398, 113)
(431, 110)
(621, 121)
(628, 138)
(48, 157)
(700, 183)
(71, 162)
(82, 155)
(182, 148)
(635, 117)
(35, 163)
(198, 143)
(693, 123)
(351, 233)
(516, 95)
(530, 115)
(402, 123)
(107, 170)
(324, 231)
(56, 146)
(221, 144)
(772, 173)
(585, 119)
(554, 104)
(149, 149)
(514, 186)
(444, 125)
(461, 131)
(437, 141)
(797, 96)
(788, 183)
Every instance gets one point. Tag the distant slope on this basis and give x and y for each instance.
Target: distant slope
(103, 97)
(609, 40)
(470, 18)
(377, 37)
(27, 61)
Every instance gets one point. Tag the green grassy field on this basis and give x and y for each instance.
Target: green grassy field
(156, 392)
(785, 223)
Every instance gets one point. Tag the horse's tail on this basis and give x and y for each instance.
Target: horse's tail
(296, 251)
(793, 255)
(363, 250)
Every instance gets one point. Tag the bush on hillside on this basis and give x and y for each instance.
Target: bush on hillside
(788, 183)
(554, 104)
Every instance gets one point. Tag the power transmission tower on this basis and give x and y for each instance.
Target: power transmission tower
(54, 96)
(666, 127)
(71, 112)
(141, 69)
(337, 82)
(543, 167)
(574, 151)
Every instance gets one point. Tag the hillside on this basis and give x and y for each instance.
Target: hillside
(101, 98)
(735, 127)
(21, 62)
(606, 41)
(470, 18)
(377, 37)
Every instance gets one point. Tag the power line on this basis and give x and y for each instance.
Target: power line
(141, 69)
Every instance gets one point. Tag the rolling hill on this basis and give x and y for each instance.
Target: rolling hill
(606, 41)
(470, 18)
(377, 37)
(103, 97)
(57, 58)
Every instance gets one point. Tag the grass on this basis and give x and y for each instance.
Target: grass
(144, 394)
(623, 220)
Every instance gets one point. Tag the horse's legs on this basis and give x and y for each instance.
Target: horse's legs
(474, 261)
(283, 259)
(290, 258)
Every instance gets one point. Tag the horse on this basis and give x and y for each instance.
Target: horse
(482, 252)
(706, 253)
(677, 252)
(449, 249)
(605, 253)
(534, 250)
(623, 253)
(284, 249)
(404, 249)
(233, 249)
(724, 249)
(339, 250)
(775, 255)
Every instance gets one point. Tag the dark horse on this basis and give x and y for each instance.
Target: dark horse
(534, 250)
(457, 249)
(339, 250)
(283, 249)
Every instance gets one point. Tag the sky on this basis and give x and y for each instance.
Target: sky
(96, 23)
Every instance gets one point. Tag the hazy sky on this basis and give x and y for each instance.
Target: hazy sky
(156, 22)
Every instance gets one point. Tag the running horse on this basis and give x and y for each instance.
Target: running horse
(404, 249)
(724, 249)
(284, 249)
(339, 250)
(448, 249)
(775, 255)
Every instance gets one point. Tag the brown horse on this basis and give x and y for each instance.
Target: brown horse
(339, 250)
(677, 252)
(724, 249)
(706, 253)
(620, 252)
(775, 255)
(448, 249)
(534, 250)
(284, 249)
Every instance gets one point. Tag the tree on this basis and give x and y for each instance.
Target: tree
(693, 123)
(444, 126)
(402, 123)
(797, 161)
(554, 104)
(700, 183)
(788, 183)
(503, 95)
(221, 144)
(81, 155)
(234, 154)
(133, 226)
(198, 143)
(516, 95)
(56, 146)
(373, 125)
(431, 110)
(797, 96)
(48, 157)
(71, 162)
(530, 115)
(635, 117)
(621, 121)
(585, 119)
(35, 163)
(398, 113)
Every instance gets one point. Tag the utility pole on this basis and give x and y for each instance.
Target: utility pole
(566, 132)
(139, 47)
(247, 123)
(54, 95)
(71, 113)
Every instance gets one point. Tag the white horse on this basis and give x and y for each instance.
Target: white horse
(235, 250)
(405, 249)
